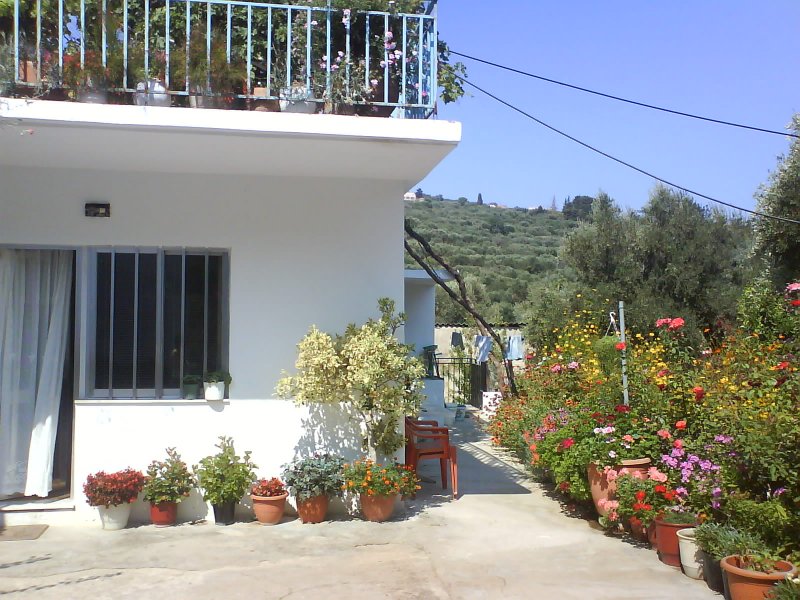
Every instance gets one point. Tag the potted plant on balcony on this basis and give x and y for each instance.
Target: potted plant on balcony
(168, 482)
(269, 500)
(378, 486)
(215, 384)
(112, 494)
(224, 478)
(312, 481)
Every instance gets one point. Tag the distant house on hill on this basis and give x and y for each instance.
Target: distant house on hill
(410, 197)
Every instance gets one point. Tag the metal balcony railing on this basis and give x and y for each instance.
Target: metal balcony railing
(292, 56)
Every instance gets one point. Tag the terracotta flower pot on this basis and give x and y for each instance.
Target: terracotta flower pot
(269, 509)
(745, 584)
(603, 489)
(313, 510)
(164, 514)
(377, 508)
(667, 541)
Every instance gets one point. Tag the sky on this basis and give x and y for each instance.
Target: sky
(735, 60)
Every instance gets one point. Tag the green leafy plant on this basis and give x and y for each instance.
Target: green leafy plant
(788, 589)
(218, 377)
(718, 540)
(373, 479)
(111, 489)
(763, 561)
(318, 475)
(168, 480)
(268, 488)
(368, 370)
(225, 476)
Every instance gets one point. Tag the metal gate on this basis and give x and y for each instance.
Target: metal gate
(464, 380)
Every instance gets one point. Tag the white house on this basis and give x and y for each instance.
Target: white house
(139, 244)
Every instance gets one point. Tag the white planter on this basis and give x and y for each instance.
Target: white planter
(214, 391)
(690, 554)
(115, 517)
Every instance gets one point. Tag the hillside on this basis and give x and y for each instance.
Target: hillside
(500, 251)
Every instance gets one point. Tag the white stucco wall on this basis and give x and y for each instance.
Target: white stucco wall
(302, 251)
(420, 307)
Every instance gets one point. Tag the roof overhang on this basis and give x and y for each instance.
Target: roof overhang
(185, 140)
(420, 277)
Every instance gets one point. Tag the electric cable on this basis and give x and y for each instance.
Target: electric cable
(627, 164)
(620, 99)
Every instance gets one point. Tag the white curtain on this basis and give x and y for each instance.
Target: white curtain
(35, 290)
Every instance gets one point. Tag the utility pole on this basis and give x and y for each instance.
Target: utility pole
(622, 338)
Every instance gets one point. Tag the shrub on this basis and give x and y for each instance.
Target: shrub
(318, 475)
(367, 477)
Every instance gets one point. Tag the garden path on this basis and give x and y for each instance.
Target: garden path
(504, 538)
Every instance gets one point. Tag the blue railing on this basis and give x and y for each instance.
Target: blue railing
(291, 56)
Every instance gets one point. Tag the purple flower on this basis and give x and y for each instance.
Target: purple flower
(779, 491)
(715, 504)
(716, 492)
(573, 365)
(677, 453)
(723, 439)
(681, 491)
(706, 465)
(694, 458)
(669, 461)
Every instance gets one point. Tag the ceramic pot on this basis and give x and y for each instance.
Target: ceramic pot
(691, 561)
(745, 584)
(377, 508)
(164, 514)
(712, 572)
(214, 391)
(269, 509)
(114, 517)
(603, 489)
(667, 541)
(224, 513)
(313, 510)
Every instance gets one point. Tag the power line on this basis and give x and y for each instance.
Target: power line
(627, 164)
(620, 99)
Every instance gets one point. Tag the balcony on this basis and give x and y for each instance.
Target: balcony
(290, 57)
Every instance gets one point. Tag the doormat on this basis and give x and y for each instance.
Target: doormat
(18, 533)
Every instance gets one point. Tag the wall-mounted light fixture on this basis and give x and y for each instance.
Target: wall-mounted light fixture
(97, 209)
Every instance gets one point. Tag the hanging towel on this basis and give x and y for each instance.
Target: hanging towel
(456, 340)
(483, 345)
(514, 350)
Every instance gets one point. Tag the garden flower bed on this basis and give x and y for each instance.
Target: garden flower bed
(720, 423)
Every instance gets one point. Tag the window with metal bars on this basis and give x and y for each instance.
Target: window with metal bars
(159, 315)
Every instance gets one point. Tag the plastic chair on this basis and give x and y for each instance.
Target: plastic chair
(424, 440)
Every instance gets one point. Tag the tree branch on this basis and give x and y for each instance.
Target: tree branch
(462, 298)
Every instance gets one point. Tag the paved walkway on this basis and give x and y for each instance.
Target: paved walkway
(504, 538)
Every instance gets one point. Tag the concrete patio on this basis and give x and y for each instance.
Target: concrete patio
(504, 538)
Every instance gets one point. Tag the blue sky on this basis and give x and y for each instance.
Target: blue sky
(736, 60)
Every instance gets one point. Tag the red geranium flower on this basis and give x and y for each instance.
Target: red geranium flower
(640, 496)
(567, 443)
(680, 425)
(678, 444)
(620, 346)
(699, 392)
(669, 496)
(660, 489)
(795, 302)
(621, 408)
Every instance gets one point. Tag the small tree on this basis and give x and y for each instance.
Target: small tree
(368, 370)
(480, 198)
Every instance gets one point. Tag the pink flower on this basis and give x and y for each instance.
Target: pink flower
(680, 425)
(678, 444)
(676, 324)
(663, 434)
(627, 438)
(656, 475)
(556, 368)
(573, 365)
(662, 322)
(793, 287)
(610, 473)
